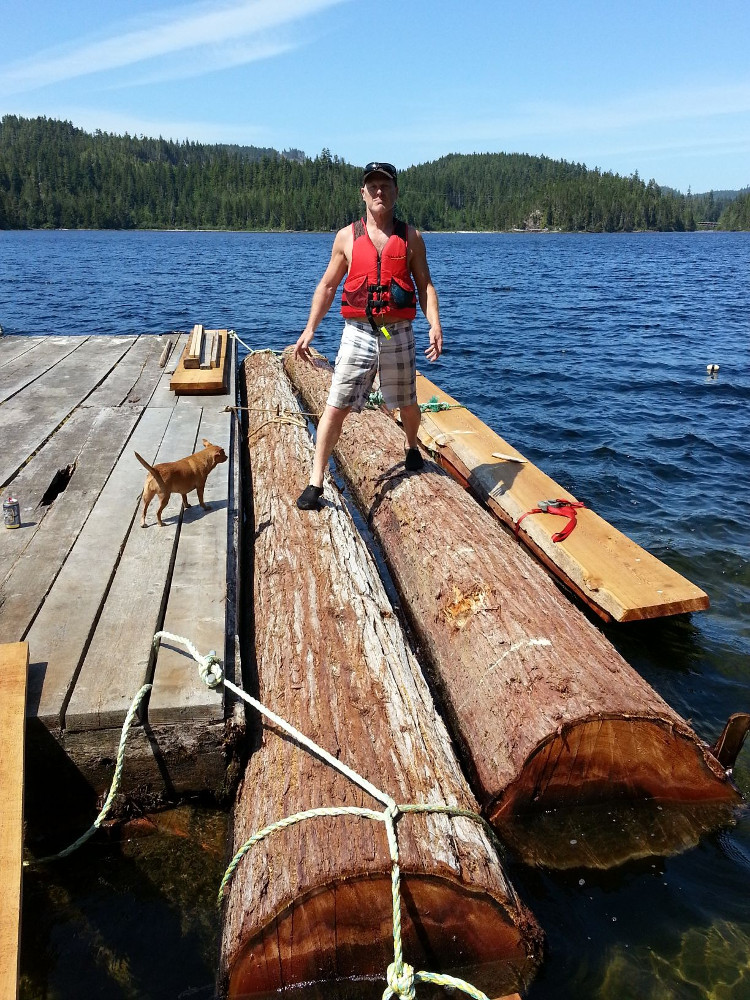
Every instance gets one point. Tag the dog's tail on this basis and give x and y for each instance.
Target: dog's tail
(159, 481)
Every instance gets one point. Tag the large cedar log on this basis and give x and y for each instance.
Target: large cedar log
(310, 907)
(548, 716)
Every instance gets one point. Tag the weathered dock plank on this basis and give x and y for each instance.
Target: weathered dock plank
(32, 575)
(30, 365)
(28, 419)
(197, 595)
(13, 347)
(135, 377)
(62, 630)
(29, 486)
(14, 659)
(118, 658)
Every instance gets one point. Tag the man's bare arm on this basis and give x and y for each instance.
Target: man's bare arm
(325, 292)
(428, 297)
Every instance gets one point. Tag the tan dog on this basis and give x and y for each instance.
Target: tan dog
(182, 476)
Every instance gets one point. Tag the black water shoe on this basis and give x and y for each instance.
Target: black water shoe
(413, 461)
(309, 498)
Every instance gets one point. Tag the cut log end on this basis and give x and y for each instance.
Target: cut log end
(622, 767)
(338, 941)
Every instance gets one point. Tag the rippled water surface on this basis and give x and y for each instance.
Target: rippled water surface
(589, 353)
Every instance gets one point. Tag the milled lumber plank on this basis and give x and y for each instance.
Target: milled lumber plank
(31, 483)
(14, 659)
(134, 379)
(28, 367)
(26, 586)
(61, 631)
(611, 573)
(192, 358)
(548, 714)
(210, 381)
(118, 658)
(31, 417)
(197, 604)
(310, 906)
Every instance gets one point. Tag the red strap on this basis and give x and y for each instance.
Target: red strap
(565, 508)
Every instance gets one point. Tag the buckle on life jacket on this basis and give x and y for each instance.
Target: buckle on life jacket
(565, 508)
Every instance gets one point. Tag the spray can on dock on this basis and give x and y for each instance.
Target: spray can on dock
(11, 513)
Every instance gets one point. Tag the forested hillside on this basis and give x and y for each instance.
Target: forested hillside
(737, 215)
(55, 175)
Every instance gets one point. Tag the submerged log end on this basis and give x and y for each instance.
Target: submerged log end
(338, 940)
(619, 766)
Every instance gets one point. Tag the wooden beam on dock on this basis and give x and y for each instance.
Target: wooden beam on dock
(197, 380)
(14, 658)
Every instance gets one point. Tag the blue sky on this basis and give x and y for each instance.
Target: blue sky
(662, 88)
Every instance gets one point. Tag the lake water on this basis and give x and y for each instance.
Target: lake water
(587, 352)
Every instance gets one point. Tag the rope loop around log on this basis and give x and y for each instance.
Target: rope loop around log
(400, 976)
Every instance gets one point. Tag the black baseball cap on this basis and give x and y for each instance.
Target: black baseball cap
(378, 167)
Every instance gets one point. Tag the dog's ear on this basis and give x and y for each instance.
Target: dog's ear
(206, 443)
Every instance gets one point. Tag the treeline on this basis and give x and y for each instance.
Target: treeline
(737, 215)
(54, 175)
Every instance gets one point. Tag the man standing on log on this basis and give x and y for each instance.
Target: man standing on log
(385, 260)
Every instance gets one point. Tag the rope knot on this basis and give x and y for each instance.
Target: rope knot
(209, 668)
(400, 984)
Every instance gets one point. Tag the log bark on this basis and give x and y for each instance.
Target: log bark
(547, 714)
(310, 907)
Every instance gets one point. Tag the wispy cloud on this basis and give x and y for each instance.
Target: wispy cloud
(239, 32)
(631, 113)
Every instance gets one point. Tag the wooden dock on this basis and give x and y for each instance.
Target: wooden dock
(88, 588)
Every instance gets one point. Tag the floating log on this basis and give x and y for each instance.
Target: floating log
(608, 571)
(548, 716)
(310, 907)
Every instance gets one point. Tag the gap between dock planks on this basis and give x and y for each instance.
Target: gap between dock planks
(14, 658)
(28, 419)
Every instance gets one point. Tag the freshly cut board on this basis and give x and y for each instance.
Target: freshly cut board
(197, 380)
(613, 575)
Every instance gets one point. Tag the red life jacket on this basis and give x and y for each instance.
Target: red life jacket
(379, 286)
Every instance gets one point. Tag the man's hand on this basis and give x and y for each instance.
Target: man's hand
(435, 349)
(302, 347)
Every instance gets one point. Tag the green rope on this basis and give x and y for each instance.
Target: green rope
(113, 788)
(433, 405)
(400, 976)
(375, 401)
